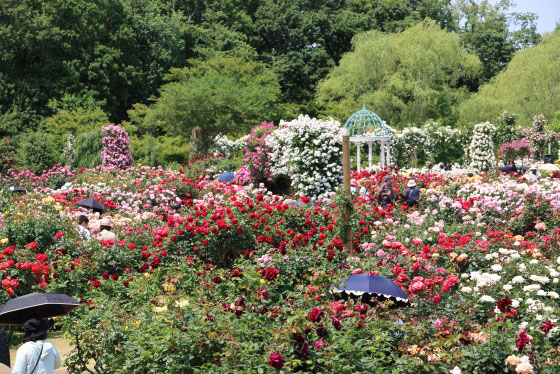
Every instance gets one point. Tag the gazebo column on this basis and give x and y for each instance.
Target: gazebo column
(382, 154)
(369, 155)
(388, 154)
(358, 159)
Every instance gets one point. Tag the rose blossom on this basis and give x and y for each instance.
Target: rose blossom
(276, 360)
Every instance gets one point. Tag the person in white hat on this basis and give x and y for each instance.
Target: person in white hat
(412, 193)
(106, 234)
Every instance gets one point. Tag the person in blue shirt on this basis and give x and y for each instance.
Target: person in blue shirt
(412, 193)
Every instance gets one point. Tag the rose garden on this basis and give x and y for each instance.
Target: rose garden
(235, 277)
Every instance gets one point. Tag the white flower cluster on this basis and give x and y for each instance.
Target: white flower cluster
(481, 150)
(224, 147)
(409, 140)
(309, 151)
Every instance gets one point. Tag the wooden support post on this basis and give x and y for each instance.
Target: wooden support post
(347, 192)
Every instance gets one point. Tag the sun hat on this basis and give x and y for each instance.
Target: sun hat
(105, 222)
(35, 328)
(387, 177)
(411, 183)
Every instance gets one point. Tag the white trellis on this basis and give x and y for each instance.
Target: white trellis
(369, 140)
(366, 128)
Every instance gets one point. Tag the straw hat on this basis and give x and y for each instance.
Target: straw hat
(105, 222)
(411, 183)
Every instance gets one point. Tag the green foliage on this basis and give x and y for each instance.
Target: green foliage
(162, 150)
(408, 77)
(486, 31)
(219, 96)
(76, 122)
(68, 52)
(38, 151)
(528, 86)
(87, 149)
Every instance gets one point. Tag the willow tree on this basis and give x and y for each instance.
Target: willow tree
(408, 77)
(530, 85)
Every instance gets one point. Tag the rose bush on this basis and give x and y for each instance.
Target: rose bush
(220, 278)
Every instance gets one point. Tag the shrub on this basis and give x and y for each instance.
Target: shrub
(115, 152)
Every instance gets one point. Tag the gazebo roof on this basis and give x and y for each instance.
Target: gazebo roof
(363, 120)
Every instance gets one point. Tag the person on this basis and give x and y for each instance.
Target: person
(507, 168)
(412, 193)
(83, 229)
(363, 189)
(386, 194)
(513, 167)
(105, 233)
(36, 355)
(533, 175)
(353, 186)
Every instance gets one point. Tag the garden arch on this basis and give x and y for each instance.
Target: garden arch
(365, 127)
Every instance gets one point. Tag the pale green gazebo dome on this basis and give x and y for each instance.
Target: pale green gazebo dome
(366, 121)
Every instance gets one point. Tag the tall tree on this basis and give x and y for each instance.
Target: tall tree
(219, 96)
(485, 29)
(60, 51)
(406, 77)
(530, 85)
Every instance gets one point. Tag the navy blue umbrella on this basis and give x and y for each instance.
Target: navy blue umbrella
(40, 305)
(226, 177)
(370, 288)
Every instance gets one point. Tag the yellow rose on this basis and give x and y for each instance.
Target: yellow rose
(146, 275)
(4, 241)
(58, 207)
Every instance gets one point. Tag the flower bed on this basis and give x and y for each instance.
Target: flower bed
(211, 277)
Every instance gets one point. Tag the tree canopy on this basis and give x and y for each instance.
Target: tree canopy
(406, 77)
(223, 95)
(530, 85)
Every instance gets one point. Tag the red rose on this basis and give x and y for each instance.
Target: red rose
(32, 245)
(416, 286)
(59, 235)
(504, 304)
(217, 280)
(547, 326)
(276, 360)
(336, 306)
(269, 273)
(315, 314)
(522, 340)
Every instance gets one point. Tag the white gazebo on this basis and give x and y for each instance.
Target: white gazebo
(365, 127)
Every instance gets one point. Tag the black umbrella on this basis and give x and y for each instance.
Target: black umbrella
(39, 305)
(4, 350)
(370, 288)
(91, 204)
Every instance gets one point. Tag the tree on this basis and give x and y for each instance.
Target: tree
(486, 31)
(530, 85)
(114, 51)
(220, 96)
(408, 77)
